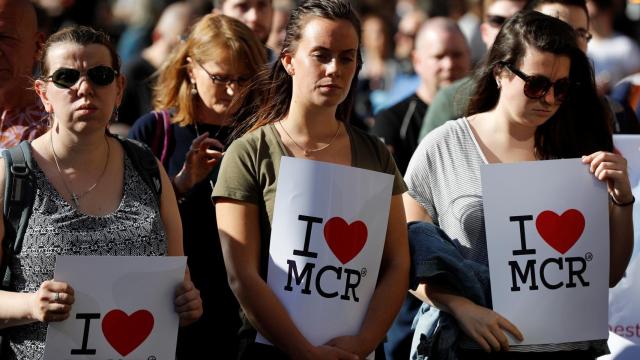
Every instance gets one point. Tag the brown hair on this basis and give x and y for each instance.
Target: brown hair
(82, 35)
(209, 37)
(274, 86)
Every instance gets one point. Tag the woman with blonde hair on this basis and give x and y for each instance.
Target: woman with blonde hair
(196, 98)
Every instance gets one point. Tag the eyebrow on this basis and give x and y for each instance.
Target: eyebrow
(322, 48)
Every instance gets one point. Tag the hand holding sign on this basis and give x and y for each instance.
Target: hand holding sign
(612, 168)
(52, 301)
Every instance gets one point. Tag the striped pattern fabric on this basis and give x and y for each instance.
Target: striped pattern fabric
(444, 177)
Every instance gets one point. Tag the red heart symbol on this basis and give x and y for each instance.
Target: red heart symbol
(124, 332)
(344, 240)
(560, 232)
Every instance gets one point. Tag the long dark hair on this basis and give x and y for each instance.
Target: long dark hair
(273, 87)
(582, 123)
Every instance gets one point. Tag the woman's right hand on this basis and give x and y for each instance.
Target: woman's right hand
(199, 162)
(52, 301)
(484, 325)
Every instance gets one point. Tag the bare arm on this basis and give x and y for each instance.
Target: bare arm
(483, 325)
(238, 225)
(390, 291)
(612, 169)
(187, 301)
(24, 308)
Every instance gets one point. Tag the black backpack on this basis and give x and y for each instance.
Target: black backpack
(19, 191)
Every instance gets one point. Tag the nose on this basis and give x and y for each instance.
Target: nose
(550, 96)
(231, 88)
(332, 67)
(84, 86)
(251, 16)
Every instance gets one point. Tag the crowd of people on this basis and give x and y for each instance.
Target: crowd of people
(215, 93)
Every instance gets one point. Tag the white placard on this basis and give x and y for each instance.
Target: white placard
(624, 307)
(123, 308)
(547, 228)
(328, 232)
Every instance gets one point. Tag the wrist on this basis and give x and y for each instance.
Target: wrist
(624, 202)
(180, 185)
(302, 350)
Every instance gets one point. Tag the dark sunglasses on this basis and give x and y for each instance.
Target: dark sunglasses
(65, 78)
(537, 86)
(496, 20)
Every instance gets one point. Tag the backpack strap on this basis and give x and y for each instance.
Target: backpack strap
(161, 135)
(144, 162)
(19, 194)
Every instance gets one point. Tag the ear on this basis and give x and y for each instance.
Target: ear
(190, 70)
(41, 89)
(121, 81)
(484, 34)
(287, 63)
(415, 59)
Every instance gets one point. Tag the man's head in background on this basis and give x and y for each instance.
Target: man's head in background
(573, 12)
(496, 12)
(441, 56)
(20, 44)
(256, 14)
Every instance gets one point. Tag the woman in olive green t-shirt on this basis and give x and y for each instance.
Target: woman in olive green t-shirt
(307, 98)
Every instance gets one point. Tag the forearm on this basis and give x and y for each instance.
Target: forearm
(15, 309)
(269, 317)
(385, 304)
(621, 232)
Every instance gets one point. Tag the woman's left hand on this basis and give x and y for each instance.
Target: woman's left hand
(188, 303)
(612, 168)
(351, 344)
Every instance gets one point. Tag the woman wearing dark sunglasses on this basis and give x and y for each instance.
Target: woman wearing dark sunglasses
(89, 198)
(536, 99)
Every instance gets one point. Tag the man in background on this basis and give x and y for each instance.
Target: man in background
(22, 116)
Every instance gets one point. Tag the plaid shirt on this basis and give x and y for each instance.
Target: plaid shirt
(22, 124)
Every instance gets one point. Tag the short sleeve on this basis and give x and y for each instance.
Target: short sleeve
(417, 178)
(238, 176)
(389, 166)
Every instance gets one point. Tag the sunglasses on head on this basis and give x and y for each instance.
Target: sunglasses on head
(537, 86)
(496, 20)
(65, 78)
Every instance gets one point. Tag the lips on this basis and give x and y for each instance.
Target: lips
(87, 107)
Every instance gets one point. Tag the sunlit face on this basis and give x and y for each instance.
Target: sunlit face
(572, 15)
(441, 57)
(501, 9)
(514, 103)
(324, 62)
(18, 48)
(85, 104)
(256, 14)
(218, 82)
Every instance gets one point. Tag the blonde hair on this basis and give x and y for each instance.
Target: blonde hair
(210, 37)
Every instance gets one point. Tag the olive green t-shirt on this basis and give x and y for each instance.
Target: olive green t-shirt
(249, 173)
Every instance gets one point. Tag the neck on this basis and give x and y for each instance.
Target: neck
(78, 151)
(311, 123)
(204, 115)
(426, 92)
(510, 131)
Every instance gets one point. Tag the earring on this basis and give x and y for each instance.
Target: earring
(498, 84)
(49, 119)
(114, 116)
(194, 89)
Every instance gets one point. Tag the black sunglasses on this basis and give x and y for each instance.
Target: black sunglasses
(496, 20)
(537, 86)
(65, 78)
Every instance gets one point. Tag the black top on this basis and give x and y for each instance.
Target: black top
(138, 94)
(218, 326)
(399, 127)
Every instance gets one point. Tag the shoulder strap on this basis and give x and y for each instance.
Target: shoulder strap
(161, 135)
(144, 162)
(166, 122)
(19, 194)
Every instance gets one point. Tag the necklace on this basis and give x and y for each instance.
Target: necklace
(215, 136)
(305, 151)
(76, 197)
